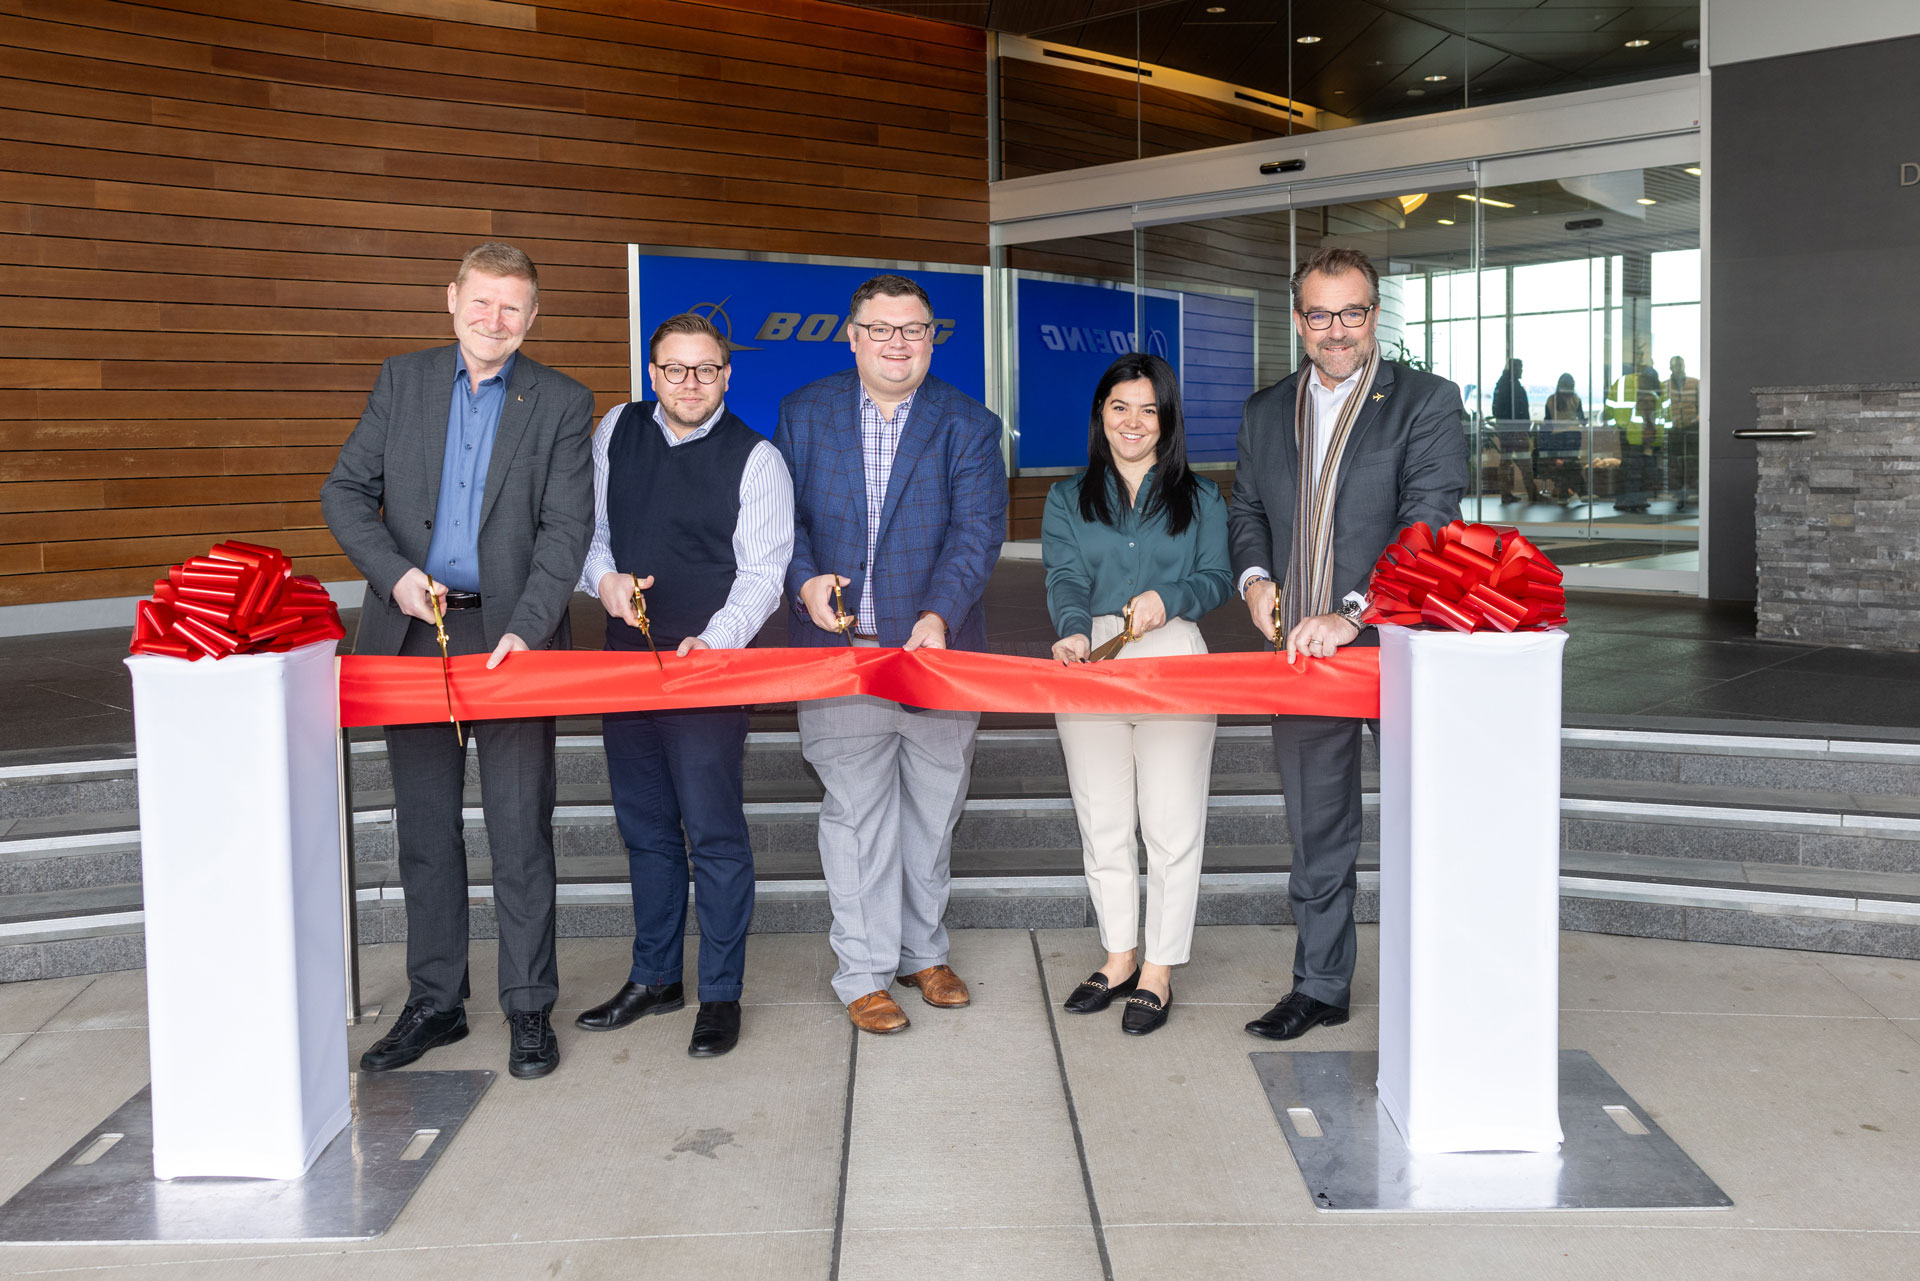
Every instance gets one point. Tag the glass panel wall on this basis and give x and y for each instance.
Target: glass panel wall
(1567, 312)
(1086, 85)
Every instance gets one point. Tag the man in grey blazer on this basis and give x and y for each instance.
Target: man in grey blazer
(469, 479)
(1385, 448)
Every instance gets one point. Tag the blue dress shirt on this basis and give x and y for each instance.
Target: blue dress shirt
(453, 554)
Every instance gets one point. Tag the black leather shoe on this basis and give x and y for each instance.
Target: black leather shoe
(533, 1049)
(716, 1029)
(632, 1001)
(418, 1029)
(1296, 1015)
(1144, 1013)
(1096, 994)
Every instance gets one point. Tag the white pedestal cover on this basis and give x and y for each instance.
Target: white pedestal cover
(1470, 888)
(240, 863)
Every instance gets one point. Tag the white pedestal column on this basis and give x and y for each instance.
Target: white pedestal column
(1470, 888)
(240, 849)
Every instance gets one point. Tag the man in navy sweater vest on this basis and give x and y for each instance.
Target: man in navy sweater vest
(695, 508)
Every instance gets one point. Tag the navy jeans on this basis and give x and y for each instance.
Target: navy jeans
(675, 769)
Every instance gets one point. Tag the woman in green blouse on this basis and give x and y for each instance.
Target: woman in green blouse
(1136, 529)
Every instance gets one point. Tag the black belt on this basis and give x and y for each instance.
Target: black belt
(461, 600)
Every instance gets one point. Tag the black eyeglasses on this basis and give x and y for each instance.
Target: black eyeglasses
(882, 332)
(677, 373)
(1351, 317)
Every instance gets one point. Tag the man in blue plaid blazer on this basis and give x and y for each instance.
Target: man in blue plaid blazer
(900, 501)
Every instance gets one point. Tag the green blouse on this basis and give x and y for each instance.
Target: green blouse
(1094, 568)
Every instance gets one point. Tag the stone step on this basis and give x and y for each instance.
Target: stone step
(57, 933)
(1846, 830)
(1856, 767)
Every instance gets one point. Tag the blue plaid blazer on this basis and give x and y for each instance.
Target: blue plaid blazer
(942, 524)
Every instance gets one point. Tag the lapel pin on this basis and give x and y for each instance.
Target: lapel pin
(523, 398)
(1379, 395)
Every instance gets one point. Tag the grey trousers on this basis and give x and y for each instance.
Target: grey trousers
(516, 795)
(1319, 762)
(896, 781)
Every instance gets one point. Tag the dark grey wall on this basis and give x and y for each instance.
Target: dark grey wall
(1815, 249)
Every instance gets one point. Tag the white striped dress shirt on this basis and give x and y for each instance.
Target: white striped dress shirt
(762, 535)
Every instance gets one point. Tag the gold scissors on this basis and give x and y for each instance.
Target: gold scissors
(446, 663)
(1119, 642)
(640, 621)
(842, 620)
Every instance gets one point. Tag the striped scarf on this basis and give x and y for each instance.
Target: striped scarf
(1309, 585)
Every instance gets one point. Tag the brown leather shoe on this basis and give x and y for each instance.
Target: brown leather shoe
(938, 986)
(878, 1013)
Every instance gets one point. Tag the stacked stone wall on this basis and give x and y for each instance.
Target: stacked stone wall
(1837, 516)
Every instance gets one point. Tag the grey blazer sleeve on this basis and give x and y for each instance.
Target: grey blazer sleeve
(564, 525)
(1249, 533)
(1433, 473)
(352, 495)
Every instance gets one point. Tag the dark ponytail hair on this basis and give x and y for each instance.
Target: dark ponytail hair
(1174, 492)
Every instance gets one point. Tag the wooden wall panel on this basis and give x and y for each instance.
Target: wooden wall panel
(218, 216)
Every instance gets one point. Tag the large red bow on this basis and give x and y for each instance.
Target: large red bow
(237, 599)
(1472, 578)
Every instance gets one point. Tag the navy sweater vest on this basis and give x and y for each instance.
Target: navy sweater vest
(671, 513)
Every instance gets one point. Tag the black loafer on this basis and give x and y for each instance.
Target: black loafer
(716, 1029)
(1144, 1013)
(533, 1049)
(1096, 994)
(1296, 1015)
(418, 1029)
(630, 1002)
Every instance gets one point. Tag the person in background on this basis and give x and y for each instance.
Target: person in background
(1136, 539)
(1562, 443)
(1683, 434)
(1513, 426)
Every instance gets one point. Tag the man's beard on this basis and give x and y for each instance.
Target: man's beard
(1341, 362)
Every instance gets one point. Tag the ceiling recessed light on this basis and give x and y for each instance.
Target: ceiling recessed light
(1306, 39)
(1694, 170)
(1339, 93)
(1638, 44)
(1416, 93)
(1444, 222)
(1646, 200)
(1435, 79)
(1216, 8)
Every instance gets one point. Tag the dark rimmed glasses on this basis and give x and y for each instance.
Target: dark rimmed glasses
(1351, 317)
(677, 373)
(880, 331)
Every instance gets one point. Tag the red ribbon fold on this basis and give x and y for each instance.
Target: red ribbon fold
(1471, 578)
(240, 598)
(398, 691)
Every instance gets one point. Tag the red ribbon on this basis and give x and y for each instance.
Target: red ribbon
(237, 599)
(1472, 578)
(399, 691)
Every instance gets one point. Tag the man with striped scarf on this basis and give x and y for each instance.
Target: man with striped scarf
(1382, 447)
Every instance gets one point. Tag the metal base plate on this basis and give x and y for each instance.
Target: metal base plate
(355, 1189)
(1352, 1156)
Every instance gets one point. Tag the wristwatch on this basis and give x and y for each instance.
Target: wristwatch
(1352, 607)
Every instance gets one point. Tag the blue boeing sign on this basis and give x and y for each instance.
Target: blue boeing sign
(1070, 331)
(787, 321)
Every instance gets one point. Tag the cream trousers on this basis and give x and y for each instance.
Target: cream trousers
(1153, 768)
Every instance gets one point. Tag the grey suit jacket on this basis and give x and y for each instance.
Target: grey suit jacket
(1406, 460)
(535, 520)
